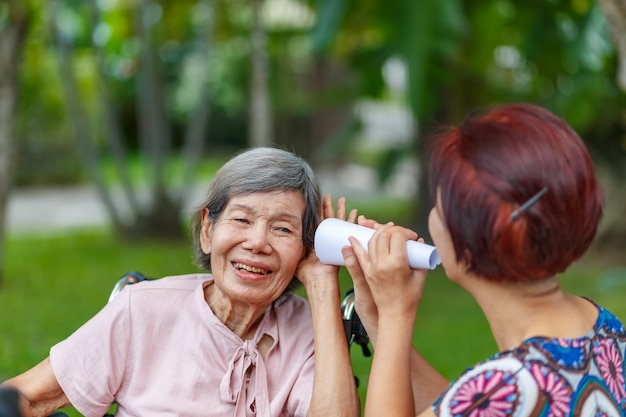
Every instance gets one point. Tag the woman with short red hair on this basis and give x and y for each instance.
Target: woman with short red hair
(516, 203)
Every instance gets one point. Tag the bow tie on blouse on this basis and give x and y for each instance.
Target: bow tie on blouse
(233, 389)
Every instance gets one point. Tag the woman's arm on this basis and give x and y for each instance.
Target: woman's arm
(41, 389)
(334, 387)
(399, 291)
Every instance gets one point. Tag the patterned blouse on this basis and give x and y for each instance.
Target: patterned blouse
(547, 377)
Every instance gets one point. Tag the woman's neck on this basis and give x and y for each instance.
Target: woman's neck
(516, 312)
(241, 319)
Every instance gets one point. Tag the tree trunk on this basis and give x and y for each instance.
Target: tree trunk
(615, 13)
(198, 124)
(260, 115)
(161, 216)
(612, 229)
(13, 31)
(84, 142)
(112, 125)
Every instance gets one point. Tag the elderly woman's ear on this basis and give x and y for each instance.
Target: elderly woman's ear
(205, 232)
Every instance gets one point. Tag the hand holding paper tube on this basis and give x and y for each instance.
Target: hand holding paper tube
(332, 234)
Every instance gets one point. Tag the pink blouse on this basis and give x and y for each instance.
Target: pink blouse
(158, 350)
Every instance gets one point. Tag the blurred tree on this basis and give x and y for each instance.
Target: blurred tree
(260, 114)
(423, 35)
(615, 12)
(15, 16)
(145, 76)
(227, 47)
(614, 228)
(132, 44)
(464, 55)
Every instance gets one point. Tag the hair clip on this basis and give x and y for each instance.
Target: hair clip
(532, 200)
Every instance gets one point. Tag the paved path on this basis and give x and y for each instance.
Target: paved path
(60, 208)
(53, 209)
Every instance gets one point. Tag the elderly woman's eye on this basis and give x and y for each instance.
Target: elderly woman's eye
(283, 230)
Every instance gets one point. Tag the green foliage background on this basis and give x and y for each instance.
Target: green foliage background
(459, 55)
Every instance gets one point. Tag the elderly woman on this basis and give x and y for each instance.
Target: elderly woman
(516, 203)
(233, 342)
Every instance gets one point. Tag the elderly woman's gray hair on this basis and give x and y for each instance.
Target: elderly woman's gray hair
(260, 170)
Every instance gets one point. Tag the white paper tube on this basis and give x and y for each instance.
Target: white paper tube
(332, 234)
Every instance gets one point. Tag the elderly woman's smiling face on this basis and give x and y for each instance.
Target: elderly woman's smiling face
(255, 245)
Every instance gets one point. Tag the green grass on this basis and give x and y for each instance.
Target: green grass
(55, 283)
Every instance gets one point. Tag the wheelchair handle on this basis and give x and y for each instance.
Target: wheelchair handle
(129, 278)
(347, 306)
(352, 326)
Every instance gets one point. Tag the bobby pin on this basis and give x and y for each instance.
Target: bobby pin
(532, 200)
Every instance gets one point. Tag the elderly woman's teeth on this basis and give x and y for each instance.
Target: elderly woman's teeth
(250, 268)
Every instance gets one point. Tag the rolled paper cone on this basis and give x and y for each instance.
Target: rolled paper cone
(332, 234)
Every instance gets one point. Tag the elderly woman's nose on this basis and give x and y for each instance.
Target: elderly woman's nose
(257, 238)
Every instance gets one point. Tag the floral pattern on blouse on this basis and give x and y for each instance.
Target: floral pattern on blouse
(547, 377)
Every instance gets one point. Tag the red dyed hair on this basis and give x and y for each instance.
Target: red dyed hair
(489, 166)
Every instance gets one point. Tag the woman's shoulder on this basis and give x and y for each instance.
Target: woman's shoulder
(609, 323)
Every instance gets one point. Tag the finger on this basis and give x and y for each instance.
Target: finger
(352, 216)
(392, 242)
(359, 252)
(361, 286)
(352, 264)
(328, 210)
(408, 233)
(397, 243)
(379, 244)
(341, 208)
(362, 290)
(372, 224)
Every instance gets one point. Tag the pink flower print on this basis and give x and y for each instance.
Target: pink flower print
(488, 394)
(555, 387)
(571, 343)
(610, 363)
